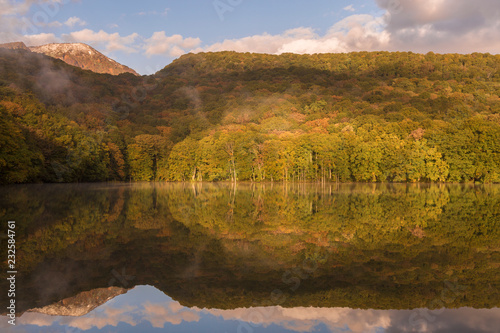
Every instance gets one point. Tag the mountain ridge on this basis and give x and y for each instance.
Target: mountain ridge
(83, 56)
(76, 54)
(14, 46)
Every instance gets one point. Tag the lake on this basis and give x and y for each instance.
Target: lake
(220, 257)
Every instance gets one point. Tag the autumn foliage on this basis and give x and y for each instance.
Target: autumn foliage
(367, 116)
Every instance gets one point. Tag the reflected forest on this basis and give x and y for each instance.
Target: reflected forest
(377, 246)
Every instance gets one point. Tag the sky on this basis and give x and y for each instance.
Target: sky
(148, 35)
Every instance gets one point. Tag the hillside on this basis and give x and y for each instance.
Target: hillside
(83, 56)
(368, 116)
(14, 46)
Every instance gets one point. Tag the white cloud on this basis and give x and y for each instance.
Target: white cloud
(72, 21)
(461, 26)
(101, 40)
(8, 7)
(10, 22)
(444, 26)
(349, 8)
(8, 32)
(16, 20)
(354, 33)
(174, 46)
(109, 41)
(300, 33)
(55, 24)
(40, 39)
(264, 43)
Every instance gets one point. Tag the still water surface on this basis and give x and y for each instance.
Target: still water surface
(254, 258)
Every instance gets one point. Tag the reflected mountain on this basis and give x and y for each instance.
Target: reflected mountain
(226, 247)
(81, 304)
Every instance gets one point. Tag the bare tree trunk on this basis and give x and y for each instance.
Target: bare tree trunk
(234, 168)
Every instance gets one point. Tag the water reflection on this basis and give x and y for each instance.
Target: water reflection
(146, 309)
(304, 251)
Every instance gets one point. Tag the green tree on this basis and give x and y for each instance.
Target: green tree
(148, 157)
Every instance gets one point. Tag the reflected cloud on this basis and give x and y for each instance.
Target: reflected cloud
(302, 319)
(109, 317)
(37, 319)
(448, 321)
(172, 312)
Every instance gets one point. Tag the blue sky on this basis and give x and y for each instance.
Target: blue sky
(147, 35)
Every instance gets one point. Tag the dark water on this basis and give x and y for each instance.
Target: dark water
(253, 258)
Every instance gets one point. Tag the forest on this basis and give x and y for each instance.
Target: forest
(227, 116)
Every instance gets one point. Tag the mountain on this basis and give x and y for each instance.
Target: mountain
(14, 46)
(83, 56)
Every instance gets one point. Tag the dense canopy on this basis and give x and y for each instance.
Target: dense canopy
(367, 116)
